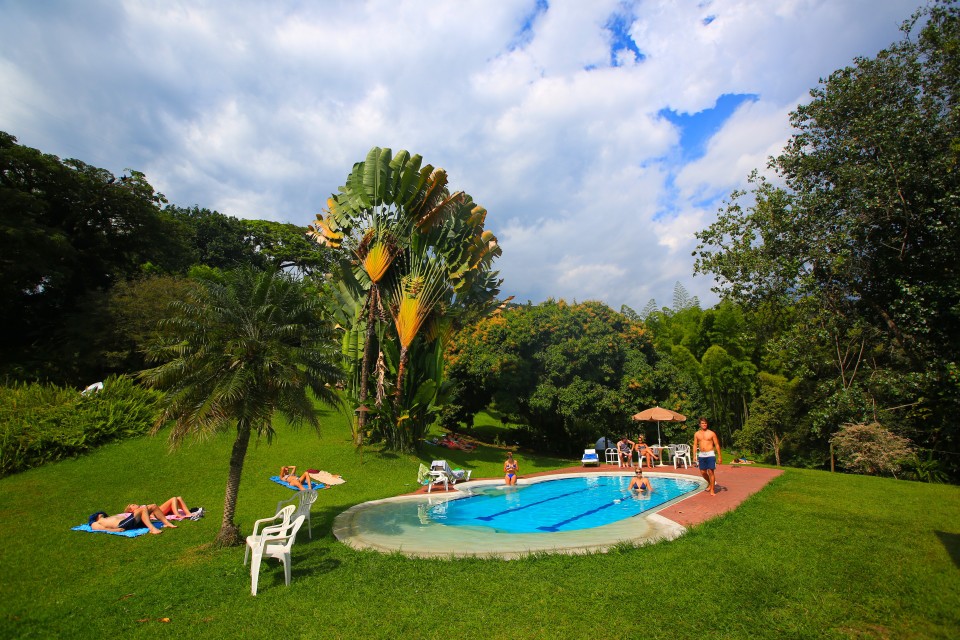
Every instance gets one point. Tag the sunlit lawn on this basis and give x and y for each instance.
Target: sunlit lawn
(813, 555)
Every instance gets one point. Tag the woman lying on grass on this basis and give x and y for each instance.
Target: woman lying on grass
(289, 475)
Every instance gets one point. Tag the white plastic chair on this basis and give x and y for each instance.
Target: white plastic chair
(281, 519)
(642, 458)
(273, 542)
(612, 456)
(590, 457)
(681, 454)
(302, 501)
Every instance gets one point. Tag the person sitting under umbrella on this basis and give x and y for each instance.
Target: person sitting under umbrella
(644, 451)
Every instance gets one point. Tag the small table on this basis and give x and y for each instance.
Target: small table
(658, 449)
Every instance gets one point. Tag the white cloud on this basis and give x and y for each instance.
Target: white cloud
(260, 109)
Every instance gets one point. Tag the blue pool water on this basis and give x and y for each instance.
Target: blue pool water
(557, 505)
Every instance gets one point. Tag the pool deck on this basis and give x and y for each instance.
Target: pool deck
(735, 483)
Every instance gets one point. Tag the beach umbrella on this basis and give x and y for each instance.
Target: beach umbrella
(659, 414)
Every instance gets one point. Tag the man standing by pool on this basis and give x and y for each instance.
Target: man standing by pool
(706, 447)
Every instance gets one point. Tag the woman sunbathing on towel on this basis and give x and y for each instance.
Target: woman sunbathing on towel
(289, 475)
(134, 517)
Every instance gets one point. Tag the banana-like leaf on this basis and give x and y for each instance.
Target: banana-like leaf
(376, 175)
(352, 344)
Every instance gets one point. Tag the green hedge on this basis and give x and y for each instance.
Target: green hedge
(41, 423)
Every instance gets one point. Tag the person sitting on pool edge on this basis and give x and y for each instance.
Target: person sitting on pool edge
(510, 470)
(639, 482)
(289, 475)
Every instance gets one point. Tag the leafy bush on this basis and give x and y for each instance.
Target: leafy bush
(871, 449)
(42, 423)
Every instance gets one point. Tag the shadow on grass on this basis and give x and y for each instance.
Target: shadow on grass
(314, 563)
(951, 542)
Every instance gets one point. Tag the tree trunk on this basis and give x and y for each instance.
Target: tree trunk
(365, 364)
(401, 369)
(229, 535)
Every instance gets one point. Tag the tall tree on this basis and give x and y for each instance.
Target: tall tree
(69, 231)
(864, 234)
(250, 344)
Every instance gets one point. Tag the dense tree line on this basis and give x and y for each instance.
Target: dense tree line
(89, 261)
(847, 260)
(568, 372)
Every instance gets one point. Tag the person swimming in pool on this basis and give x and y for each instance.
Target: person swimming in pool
(640, 483)
(510, 469)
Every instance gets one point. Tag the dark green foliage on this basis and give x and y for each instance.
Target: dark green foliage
(859, 245)
(41, 423)
(68, 231)
(571, 373)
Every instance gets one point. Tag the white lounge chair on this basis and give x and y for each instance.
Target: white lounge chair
(440, 471)
(303, 500)
(590, 457)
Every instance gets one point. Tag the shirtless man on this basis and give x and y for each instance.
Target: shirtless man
(706, 447)
(639, 482)
(134, 517)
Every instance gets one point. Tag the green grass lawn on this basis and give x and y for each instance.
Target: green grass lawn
(813, 555)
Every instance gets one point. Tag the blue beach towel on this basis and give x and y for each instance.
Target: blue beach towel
(313, 483)
(131, 533)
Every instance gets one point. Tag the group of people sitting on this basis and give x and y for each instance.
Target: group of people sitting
(626, 447)
(139, 516)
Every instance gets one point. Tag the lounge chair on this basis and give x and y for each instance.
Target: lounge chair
(590, 457)
(440, 471)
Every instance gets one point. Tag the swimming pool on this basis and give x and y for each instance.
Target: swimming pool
(571, 513)
(557, 505)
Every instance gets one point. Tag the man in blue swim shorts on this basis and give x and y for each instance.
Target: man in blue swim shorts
(706, 447)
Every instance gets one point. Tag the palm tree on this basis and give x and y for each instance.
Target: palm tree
(249, 344)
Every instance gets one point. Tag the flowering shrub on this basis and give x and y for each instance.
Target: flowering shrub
(871, 449)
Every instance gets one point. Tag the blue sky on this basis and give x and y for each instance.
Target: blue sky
(599, 135)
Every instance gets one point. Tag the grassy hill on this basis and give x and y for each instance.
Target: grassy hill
(813, 555)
